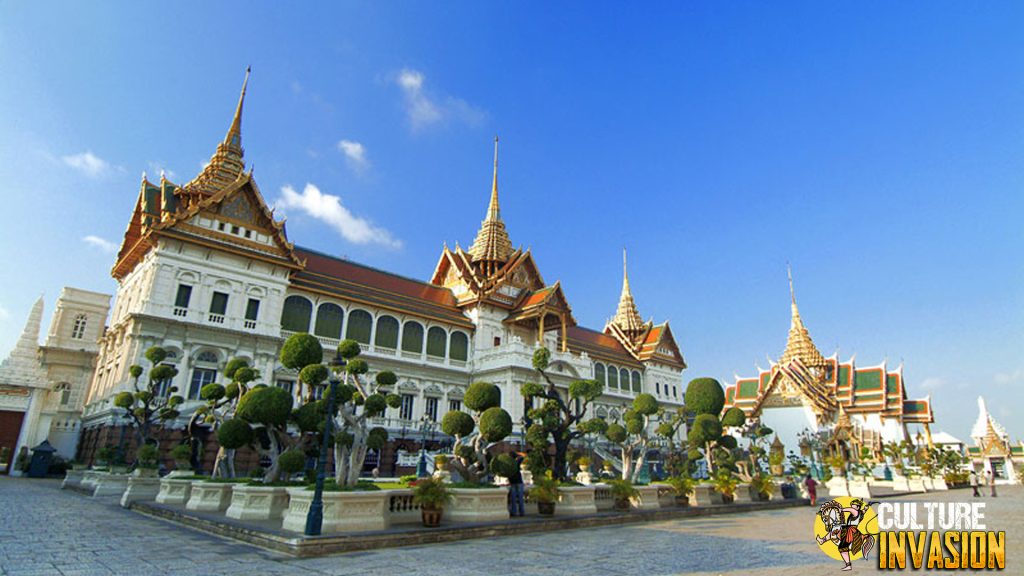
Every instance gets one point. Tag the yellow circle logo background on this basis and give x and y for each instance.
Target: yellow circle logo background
(869, 525)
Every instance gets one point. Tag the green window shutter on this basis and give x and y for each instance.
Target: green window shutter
(219, 303)
(387, 332)
(459, 346)
(437, 342)
(613, 377)
(412, 337)
(599, 374)
(329, 318)
(252, 309)
(296, 314)
(360, 324)
(183, 296)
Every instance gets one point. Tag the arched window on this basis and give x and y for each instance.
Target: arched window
(437, 342)
(599, 374)
(412, 337)
(329, 318)
(459, 349)
(613, 377)
(360, 324)
(657, 388)
(387, 332)
(78, 330)
(637, 382)
(624, 379)
(296, 314)
(65, 392)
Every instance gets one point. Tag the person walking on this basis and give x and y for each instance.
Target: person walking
(516, 495)
(974, 483)
(812, 489)
(991, 482)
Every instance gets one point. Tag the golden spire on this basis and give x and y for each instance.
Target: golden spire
(492, 245)
(227, 164)
(627, 317)
(799, 345)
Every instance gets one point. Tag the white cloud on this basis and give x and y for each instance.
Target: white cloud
(87, 163)
(355, 154)
(101, 243)
(329, 209)
(1015, 377)
(424, 110)
(932, 382)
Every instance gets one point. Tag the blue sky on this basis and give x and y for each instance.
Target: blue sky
(875, 147)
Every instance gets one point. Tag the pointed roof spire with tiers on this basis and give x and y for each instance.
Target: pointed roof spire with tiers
(492, 245)
(799, 344)
(985, 427)
(627, 317)
(21, 367)
(227, 163)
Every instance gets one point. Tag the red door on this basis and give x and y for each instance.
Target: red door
(10, 428)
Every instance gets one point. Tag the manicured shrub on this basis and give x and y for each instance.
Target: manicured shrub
(301, 350)
(704, 396)
(292, 462)
(234, 434)
(482, 395)
(495, 424)
(268, 406)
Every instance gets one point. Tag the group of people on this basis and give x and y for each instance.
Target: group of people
(977, 480)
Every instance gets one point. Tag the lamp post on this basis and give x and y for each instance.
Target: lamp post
(426, 426)
(315, 516)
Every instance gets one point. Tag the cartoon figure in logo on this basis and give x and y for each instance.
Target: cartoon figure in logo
(842, 528)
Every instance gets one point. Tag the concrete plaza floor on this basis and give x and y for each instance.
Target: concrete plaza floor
(49, 531)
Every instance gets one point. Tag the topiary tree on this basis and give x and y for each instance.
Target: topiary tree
(632, 436)
(492, 422)
(356, 403)
(220, 403)
(677, 461)
(143, 405)
(706, 398)
(560, 418)
(267, 411)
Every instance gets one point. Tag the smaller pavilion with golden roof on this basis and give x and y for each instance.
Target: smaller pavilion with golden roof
(992, 451)
(862, 406)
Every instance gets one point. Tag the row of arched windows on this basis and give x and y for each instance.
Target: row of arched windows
(330, 320)
(618, 378)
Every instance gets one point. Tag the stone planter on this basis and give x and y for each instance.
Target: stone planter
(646, 498)
(705, 495)
(210, 496)
(900, 484)
(837, 486)
(110, 485)
(257, 502)
(140, 488)
(343, 511)
(776, 494)
(603, 499)
(73, 479)
(174, 491)
(859, 489)
(744, 493)
(90, 477)
(916, 484)
(939, 483)
(666, 496)
(576, 501)
(478, 505)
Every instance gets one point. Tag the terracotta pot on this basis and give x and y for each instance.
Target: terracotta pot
(546, 508)
(431, 518)
(683, 501)
(622, 505)
(777, 469)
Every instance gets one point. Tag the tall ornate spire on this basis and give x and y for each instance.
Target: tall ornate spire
(21, 367)
(799, 345)
(985, 427)
(492, 245)
(627, 317)
(227, 163)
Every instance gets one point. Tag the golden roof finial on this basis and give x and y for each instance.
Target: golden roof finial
(227, 163)
(799, 344)
(627, 317)
(492, 244)
(234, 136)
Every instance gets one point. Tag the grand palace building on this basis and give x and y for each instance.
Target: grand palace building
(207, 272)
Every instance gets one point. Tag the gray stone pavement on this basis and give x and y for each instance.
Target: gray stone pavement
(49, 531)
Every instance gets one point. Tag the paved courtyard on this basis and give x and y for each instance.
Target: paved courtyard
(49, 531)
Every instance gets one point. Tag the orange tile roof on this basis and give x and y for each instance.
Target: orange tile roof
(599, 346)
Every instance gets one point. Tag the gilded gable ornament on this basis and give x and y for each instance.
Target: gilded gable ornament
(239, 208)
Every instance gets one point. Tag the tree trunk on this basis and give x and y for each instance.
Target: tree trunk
(273, 473)
(627, 462)
(641, 459)
(341, 464)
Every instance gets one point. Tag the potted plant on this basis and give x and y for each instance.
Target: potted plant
(104, 456)
(583, 463)
(147, 457)
(683, 487)
(837, 463)
(431, 494)
(182, 455)
(441, 462)
(5, 457)
(762, 485)
(726, 484)
(545, 493)
(775, 460)
(622, 491)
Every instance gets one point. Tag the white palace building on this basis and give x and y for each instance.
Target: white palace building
(206, 272)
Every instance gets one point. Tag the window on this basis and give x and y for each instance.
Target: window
(200, 377)
(613, 377)
(497, 341)
(207, 356)
(360, 324)
(657, 388)
(329, 318)
(454, 405)
(65, 392)
(183, 296)
(674, 391)
(78, 330)
(252, 310)
(437, 342)
(296, 313)
(599, 373)
(432, 409)
(287, 385)
(218, 307)
(163, 387)
(405, 412)
(412, 337)
(637, 382)
(387, 333)
(459, 346)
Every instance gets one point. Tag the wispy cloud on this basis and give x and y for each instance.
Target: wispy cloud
(158, 168)
(932, 382)
(329, 209)
(355, 155)
(100, 243)
(87, 163)
(424, 108)
(1014, 377)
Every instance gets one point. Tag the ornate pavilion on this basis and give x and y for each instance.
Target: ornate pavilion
(992, 451)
